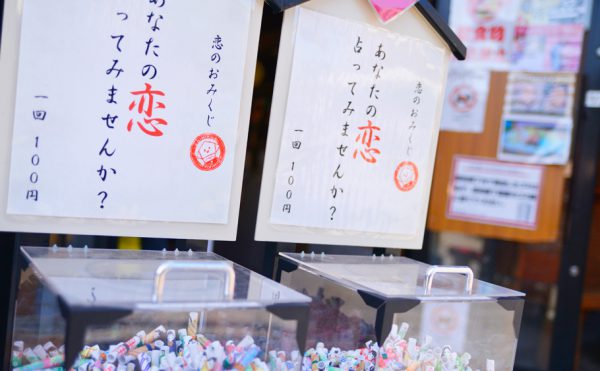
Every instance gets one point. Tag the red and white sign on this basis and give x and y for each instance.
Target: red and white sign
(96, 137)
(466, 98)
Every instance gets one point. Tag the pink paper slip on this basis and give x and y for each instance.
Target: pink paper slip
(387, 10)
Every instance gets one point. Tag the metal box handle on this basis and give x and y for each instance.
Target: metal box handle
(435, 269)
(200, 266)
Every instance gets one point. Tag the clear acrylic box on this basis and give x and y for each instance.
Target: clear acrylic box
(359, 298)
(84, 297)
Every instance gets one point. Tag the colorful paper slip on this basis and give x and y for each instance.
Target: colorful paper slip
(388, 10)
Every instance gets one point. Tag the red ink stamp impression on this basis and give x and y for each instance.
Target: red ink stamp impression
(406, 176)
(207, 152)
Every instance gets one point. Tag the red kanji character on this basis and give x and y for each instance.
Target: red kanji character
(480, 33)
(146, 105)
(521, 32)
(497, 33)
(365, 138)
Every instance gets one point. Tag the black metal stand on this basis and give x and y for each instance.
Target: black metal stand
(9, 275)
(579, 213)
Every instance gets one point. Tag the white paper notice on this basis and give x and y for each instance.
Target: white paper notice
(466, 98)
(127, 109)
(493, 192)
(487, 28)
(359, 125)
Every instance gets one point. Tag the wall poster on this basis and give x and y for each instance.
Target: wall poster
(466, 98)
(537, 124)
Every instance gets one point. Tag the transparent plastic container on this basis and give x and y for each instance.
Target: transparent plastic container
(359, 298)
(84, 297)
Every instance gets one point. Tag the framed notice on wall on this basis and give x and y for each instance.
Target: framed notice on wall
(123, 117)
(353, 127)
(492, 192)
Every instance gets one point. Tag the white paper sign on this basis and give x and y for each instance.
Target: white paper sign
(527, 35)
(492, 192)
(127, 109)
(487, 28)
(592, 99)
(358, 130)
(466, 98)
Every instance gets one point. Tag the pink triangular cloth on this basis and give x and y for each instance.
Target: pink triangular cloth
(390, 9)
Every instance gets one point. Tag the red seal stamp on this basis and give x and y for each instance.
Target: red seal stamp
(406, 176)
(207, 152)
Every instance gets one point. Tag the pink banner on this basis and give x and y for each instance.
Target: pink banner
(390, 9)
